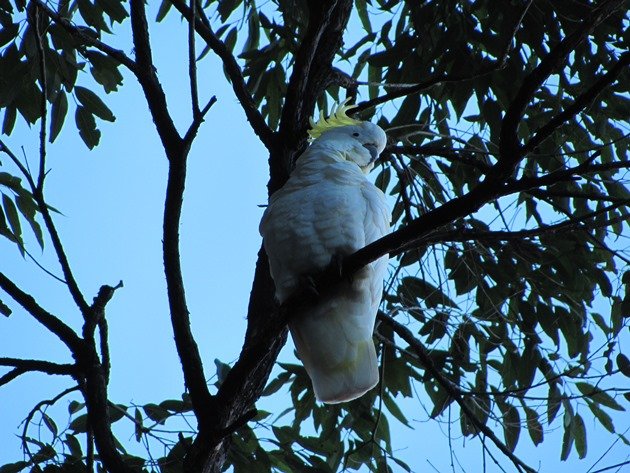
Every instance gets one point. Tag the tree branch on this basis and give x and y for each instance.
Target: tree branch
(510, 151)
(447, 78)
(38, 406)
(580, 103)
(80, 36)
(52, 323)
(38, 196)
(311, 73)
(146, 74)
(462, 235)
(233, 71)
(463, 156)
(192, 61)
(24, 366)
(453, 391)
(34, 20)
(177, 152)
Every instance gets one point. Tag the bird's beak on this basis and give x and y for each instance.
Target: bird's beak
(373, 151)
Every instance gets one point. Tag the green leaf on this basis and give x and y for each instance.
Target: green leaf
(114, 9)
(14, 221)
(623, 363)
(10, 114)
(392, 407)
(165, 6)
(14, 467)
(567, 442)
(94, 104)
(116, 412)
(363, 15)
(75, 406)
(105, 70)
(374, 77)
(50, 424)
(511, 426)
(598, 396)
(579, 433)
(174, 405)
(276, 384)
(79, 424)
(87, 127)
(601, 416)
(534, 427)
(156, 413)
(138, 426)
(58, 115)
(74, 446)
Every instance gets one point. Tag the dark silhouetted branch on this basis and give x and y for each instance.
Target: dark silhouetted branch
(37, 407)
(147, 76)
(232, 69)
(510, 151)
(52, 323)
(22, 366)
(83, 38)
(197, 121)
(580, 102)
(447, 78)
(451, 389)
(311, 73)
(463, 156)
(38, 196)
(177, 152)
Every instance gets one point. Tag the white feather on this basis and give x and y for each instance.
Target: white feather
(328, 208)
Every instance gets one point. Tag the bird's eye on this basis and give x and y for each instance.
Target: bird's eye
(355, 134)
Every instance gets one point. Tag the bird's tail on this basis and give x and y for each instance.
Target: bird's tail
(341, 367)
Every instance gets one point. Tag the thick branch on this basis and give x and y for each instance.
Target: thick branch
(24, 366)
(52, 323)
(177, 152)
(147, 76)
(311, 73)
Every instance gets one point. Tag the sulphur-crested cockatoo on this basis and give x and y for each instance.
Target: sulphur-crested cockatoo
(326, 210)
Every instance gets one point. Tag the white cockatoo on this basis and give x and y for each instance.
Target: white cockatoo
(326, 210)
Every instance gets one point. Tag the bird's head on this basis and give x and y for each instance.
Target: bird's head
(357, 141)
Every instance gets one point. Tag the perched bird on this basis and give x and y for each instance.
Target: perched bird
(326, 210)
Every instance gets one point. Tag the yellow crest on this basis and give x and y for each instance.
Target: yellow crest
(336, 119)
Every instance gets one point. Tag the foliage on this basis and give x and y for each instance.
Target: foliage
(508, 174)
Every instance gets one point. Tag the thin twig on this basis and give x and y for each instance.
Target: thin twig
(452, 390)
(85, 38)
(34, 19)
(37, 407)
(448, 78)
(232, 69)
(192, 61)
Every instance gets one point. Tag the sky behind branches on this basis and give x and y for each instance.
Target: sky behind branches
(111, 201)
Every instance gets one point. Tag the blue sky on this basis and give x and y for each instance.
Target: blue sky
(111, 199)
